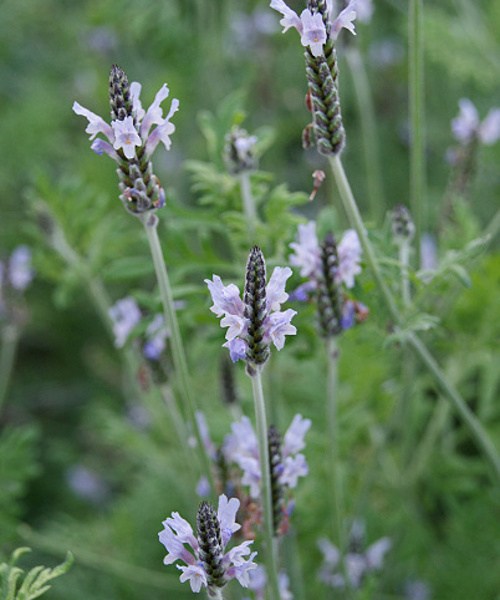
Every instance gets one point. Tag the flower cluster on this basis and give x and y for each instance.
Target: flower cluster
(467, 127)
(241, 447)
(311, 26)
(239, 151)
(206, 563)
(126, 315)
(329, 267)
(356, 564)
(131, 138)
(257, 321)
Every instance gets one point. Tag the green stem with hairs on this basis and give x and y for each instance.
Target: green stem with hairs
(150, 223)
(475, 428)
(336, 491)
(10, 339)
(366, 111)
(416, 104)
(249, 207)
(265, 471)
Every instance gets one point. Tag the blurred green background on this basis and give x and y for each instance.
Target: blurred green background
(67, 409)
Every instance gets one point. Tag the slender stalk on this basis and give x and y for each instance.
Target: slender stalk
(475, 428)
(336, 492)
(369, 131)
(248, 202)
(10, 339)
(416, 104)
(180, 363)
(404, 261)
(215, 594)
(265, 470)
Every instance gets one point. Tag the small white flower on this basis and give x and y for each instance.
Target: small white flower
(126, 136)
(125, 315)
(467, 125)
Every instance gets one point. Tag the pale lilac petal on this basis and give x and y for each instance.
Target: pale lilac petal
(345, 20)
(236, 326)
(290, 17)
(376, 552)
(465, 126)
(275, 289)
(96, 123)
(277, 325)
(304, 292)
(237, 349)
(241, 568)
(20, 270)
(174, 546)
(355, 566)
(182, 529)
(126, 136)
(364, 10)
(306, 250)
(226, 299)
(293, 468)
(125, 315)
(226, 514)
(331, 554)
(135, 92)
(163, 131)
(313, 31)
(489, 130)
(156, 335)
(251, 474)
(102, 147)
(349, 251)
(284, 586)
(195, 575)
(242, 440)
(293, 440)
(203, 487)
(154, 114)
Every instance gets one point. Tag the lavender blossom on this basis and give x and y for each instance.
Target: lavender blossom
(467, 127)
(328, 268)
(156, 335)
(239, 151)
(206, 563)
(311, 26)
(258, 582)
(131, 138)
(307, 255)
(20, 272)
(125, 315)
(241, 447)
(357, 562)
(256, 322)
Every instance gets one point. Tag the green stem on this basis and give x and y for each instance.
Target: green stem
(404, 262)
(475, 428)
(265, 470)
(416, 105)
(332, 355)
(248, 202)
(10, 339)
(366, 111)
(150, 223)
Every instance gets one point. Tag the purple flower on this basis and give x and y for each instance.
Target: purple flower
(467, 126)
(241, 447)
(258, 582)
(307, 255)
(20, 272)
(313, 33)
(133, 131)
(356, 563)
(156, 335)
(228, 304)
(125, 315)
(204, 549)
